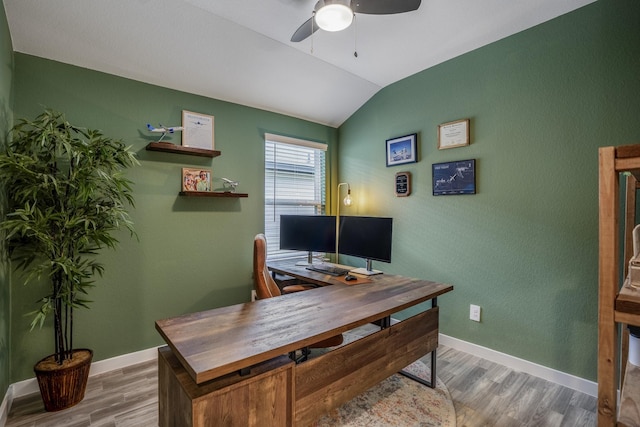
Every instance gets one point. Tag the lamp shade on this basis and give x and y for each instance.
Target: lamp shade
(334, 15)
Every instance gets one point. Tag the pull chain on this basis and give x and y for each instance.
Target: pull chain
(355, 36)
(313, 20)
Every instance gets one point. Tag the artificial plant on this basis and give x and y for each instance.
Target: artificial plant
(66, 195)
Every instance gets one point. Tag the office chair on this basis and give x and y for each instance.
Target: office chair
(264, 283)
(266, 287)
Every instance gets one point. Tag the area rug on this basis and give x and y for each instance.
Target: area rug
(396, 401)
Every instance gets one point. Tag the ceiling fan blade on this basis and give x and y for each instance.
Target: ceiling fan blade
(384, 7)
(304, 31)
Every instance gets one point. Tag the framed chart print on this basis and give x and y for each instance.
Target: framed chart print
(453, 178)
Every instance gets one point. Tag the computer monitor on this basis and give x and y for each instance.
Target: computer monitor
(311, 233)
(366, 237)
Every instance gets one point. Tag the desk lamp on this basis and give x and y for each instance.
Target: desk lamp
(347, 203)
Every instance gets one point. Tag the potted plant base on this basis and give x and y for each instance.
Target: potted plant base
(63, 386)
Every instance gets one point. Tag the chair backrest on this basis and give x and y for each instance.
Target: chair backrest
(263, 283)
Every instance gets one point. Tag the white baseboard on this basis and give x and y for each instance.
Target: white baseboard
(515, 363)
(30, 386)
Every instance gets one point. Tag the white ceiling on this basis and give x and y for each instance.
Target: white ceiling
(239, 50)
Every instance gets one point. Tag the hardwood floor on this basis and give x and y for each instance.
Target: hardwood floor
(124, 397)
(487, 394)
(484, 394)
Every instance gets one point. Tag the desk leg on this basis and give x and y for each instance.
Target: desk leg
(385, 322)
(432, 382)
(304, 355)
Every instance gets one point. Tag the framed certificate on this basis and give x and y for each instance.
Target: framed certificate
(453, 134)
(198, 130)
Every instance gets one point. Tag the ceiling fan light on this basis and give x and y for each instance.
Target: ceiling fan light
(334, 16)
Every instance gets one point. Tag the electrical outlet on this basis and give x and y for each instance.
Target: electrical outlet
(474, 312)
(254, 296)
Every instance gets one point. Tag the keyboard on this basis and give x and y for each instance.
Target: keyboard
(327, 269)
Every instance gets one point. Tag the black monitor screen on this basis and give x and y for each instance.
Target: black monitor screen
(366, 237)
(315, 233)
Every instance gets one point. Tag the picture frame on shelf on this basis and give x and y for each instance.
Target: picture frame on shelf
(453, 134)
(196, 179)
(402, 150)
(198, 130)
(453, 178)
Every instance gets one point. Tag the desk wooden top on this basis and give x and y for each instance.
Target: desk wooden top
(318, 278)
(216, 342)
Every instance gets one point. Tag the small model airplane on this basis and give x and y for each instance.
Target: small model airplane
(164, 130)
(230, 185)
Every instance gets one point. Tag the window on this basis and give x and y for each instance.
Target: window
(294, 176)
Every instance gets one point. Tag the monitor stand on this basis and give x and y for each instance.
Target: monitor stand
(308, 262)
(368, 271)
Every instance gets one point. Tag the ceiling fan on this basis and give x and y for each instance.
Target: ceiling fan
(336, 15)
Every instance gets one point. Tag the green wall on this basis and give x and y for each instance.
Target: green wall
(193, 253)
(525, 247)
(6, 76)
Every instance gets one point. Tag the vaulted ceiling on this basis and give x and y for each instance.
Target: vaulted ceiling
(240, 50)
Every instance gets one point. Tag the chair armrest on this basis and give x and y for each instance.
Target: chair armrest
(298, 288)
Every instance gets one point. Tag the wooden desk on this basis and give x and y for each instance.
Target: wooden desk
(219, 345)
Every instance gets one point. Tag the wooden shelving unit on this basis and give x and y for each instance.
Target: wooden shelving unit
(212, 194)
(617, 305)
(169, 147)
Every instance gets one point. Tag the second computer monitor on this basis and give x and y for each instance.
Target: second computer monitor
(366, 237)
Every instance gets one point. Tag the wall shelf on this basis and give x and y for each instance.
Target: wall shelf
(212, 194)
(169, 147)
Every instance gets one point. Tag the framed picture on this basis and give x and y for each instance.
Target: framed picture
(198, 130)
(402, 150)
(453, 134)
(196, 179)
(452, 178)
(403, 184)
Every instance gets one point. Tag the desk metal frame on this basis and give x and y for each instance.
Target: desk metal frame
(432, 382)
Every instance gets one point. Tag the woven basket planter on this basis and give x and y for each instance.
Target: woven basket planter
(63, 386)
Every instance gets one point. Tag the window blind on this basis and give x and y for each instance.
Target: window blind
(294, 185)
